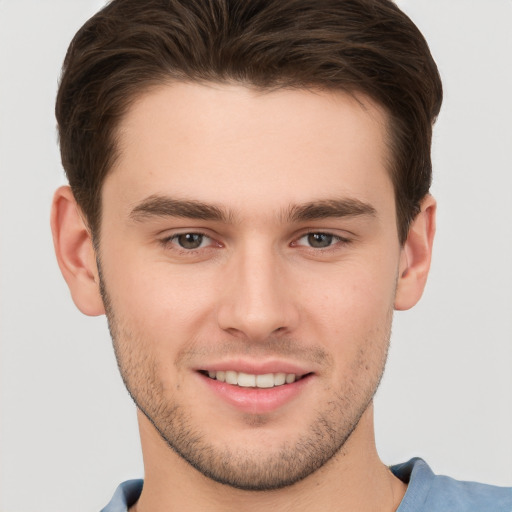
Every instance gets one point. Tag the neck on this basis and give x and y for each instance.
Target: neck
(354, 479)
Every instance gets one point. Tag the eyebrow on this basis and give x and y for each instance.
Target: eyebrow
(330, 208)
(163, 206)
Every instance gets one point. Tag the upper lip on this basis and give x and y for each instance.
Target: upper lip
(256, 367)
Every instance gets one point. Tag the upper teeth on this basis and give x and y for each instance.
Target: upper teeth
(247, 380)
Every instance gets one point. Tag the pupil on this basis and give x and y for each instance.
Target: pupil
(190, 240)
(319, 240)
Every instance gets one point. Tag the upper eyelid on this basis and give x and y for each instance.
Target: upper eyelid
(189, 232)
(165, 235)
(318, 232)
(173, 231)
(331, 232)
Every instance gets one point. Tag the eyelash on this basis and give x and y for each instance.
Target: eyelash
(168, 241)
(337, 239)
(172, 240)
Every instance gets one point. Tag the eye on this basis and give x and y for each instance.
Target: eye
(190, 241)
(320, 240)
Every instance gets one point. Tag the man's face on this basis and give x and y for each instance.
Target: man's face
(250, 237)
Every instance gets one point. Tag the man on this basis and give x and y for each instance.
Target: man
(249, 203)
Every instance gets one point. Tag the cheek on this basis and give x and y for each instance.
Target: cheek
(155, 300)
(352, 314)
(350, 292)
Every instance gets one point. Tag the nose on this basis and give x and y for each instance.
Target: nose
(257, 296)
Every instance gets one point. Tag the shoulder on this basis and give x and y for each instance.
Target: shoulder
(427, 491)
(125, 496)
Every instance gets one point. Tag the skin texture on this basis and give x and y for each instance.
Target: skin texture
(259, 291)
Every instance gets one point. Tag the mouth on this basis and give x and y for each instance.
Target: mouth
(249, 380)
(271, 386)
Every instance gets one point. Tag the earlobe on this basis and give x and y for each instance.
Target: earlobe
(75, 252)
(416, 255)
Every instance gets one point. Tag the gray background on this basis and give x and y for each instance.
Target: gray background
(68, 434)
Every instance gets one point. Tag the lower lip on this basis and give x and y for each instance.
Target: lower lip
(257, 400)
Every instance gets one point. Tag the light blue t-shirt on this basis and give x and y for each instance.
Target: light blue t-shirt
(426, 492)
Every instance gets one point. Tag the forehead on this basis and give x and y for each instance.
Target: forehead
(236, 146)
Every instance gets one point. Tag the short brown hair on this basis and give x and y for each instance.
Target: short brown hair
(365, 46)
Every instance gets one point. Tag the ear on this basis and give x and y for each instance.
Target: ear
(416, 255)
(75, 252)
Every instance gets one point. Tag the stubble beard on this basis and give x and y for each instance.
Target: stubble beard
(246, 468)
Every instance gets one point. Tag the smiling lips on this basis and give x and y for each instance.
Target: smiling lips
(248, 380)
(256, 393)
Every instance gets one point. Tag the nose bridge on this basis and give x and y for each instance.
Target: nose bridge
(256, 302)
